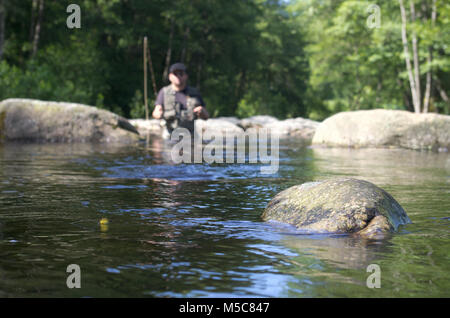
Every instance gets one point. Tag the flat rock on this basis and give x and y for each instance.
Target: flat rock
(217, 125)
(150, 126)
(294, 127)
(258, 121)
(233, 120)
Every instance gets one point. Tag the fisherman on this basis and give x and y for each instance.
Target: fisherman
(178, 103)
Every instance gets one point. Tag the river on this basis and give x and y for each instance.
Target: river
(195, 230)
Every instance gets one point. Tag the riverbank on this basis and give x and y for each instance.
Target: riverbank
(27, 120)
(377, 128)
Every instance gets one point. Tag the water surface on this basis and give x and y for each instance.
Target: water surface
(194, 230)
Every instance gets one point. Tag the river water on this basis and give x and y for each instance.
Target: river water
(195, 230)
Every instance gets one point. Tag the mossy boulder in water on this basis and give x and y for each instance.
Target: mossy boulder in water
(344, 205)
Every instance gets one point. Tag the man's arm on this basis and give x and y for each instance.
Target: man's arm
(201, 112)
(158, 112)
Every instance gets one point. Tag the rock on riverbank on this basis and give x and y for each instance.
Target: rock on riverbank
(344, 205)
(298, 128)
(41, 121)
(385, 128)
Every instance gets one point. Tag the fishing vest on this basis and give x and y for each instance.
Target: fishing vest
(174, 114)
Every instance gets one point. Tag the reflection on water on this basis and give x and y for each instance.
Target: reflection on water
(385, 166)
(195, 230)
(341, 251)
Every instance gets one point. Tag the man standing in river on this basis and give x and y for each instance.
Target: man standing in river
(178, 103)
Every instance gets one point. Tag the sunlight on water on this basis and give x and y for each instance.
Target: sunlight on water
(195, 229)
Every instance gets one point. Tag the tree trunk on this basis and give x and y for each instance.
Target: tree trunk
(169, 51)
(240, 85)
(415, 57)
(145, 77)
(442, 92)
(407, 59)
(405, 90)
(378, 91)
(184, 48)
(199, 72)
(150, 64)
(426, 100)
(37, 29)
(2, 27)
(34, 6)
(239, 90)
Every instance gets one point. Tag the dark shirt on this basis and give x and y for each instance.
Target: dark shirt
(180, 97)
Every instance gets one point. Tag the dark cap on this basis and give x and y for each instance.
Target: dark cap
(177, 67)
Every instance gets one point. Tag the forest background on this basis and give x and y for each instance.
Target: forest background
(308, 58)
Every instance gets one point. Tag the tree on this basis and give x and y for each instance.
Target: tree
(2, 27)
(426, 101)
(429, 14)
(354, 66)
(414, 81)
(282, 58)
(37, 26)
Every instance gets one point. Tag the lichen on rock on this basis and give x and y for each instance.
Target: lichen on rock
(29, 120)
(344, 205)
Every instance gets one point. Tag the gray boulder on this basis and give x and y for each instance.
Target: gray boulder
(294, 127)
(385, 128)
(220, 125)
(41, 121)
(233, 120)
(299, 128)
(213, 125)
(258, 121)
(150, 126)
(344, 205)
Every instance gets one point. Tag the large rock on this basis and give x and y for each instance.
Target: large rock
(150, 126)
(213, 126)
(258, 121)
(40, 121)
(343, 205)
(217, 125)
(233, 120)
(299, 128)
(385, 128)
(294, 127)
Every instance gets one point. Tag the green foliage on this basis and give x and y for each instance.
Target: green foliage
(357, 67)
(307, 58)
(246, 108)
(137, 107)
(57, 73)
